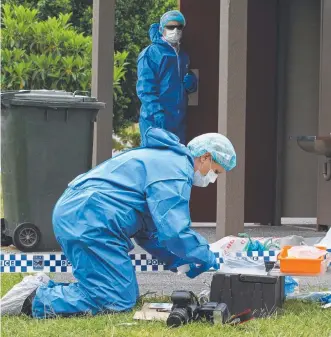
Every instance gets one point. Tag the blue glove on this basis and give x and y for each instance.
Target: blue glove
(190, 82)
(195, 271)
(255, 246)
(159, 120)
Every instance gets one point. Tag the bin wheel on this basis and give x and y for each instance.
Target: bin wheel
(5, 239)
(26, 237)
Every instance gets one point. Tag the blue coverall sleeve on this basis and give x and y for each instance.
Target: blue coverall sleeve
(148, 86)
(190, 82)
(150, 243)
(168, 202)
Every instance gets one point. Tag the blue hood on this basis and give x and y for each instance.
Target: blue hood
(160, 139)
(154, 33)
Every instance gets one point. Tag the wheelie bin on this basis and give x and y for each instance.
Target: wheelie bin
(46, 141)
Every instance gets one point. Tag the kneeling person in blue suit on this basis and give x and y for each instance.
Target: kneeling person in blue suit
(142, 194)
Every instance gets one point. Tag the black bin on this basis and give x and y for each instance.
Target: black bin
(46, 141)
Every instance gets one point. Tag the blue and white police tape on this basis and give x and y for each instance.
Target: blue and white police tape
(58, 263)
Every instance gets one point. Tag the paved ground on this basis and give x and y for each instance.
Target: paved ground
(166, 282)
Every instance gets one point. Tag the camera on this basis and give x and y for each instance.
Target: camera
(213, 312)
(186, 308)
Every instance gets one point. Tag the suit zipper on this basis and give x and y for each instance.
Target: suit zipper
(178, 67)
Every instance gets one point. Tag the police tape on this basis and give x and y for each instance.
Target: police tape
(58, 263)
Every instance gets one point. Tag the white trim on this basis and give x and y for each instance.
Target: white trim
(299, 221)
(204, 224)
(284, 221)
(213, 224)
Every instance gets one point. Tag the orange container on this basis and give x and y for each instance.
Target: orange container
(291, 265)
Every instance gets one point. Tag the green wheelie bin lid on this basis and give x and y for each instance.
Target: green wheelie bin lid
(52, 99)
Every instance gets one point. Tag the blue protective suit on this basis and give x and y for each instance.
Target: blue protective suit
(163, 83)
(143, 194)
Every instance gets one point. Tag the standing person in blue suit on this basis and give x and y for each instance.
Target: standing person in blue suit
(164, 78)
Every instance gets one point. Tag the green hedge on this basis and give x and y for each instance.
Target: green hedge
(48, 54)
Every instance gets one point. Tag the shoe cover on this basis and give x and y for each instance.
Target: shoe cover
(12, 302)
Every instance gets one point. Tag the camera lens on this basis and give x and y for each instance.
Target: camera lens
(178, 317)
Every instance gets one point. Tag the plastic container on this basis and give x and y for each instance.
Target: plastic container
(46, 142)
(302, 266)
(264, 295)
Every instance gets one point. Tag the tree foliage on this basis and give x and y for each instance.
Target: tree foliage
(80, 10)
(48, 54)
(129, 138)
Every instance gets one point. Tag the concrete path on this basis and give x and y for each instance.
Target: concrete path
(163, 283)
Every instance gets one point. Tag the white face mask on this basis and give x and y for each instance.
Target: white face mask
(203, 181)
(173, 36)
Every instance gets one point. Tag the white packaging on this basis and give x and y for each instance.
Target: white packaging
(305, 252)
(326, 241)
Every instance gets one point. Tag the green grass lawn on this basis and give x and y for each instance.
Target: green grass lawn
(298, 319)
